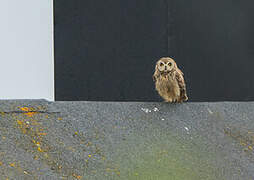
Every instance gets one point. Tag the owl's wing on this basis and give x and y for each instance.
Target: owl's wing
(155, 75)
(181, 84)
(180, 79)
(154, 78)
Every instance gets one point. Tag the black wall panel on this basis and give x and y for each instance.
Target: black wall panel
(106, 50)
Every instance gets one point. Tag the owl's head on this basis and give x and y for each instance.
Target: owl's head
(165, 65)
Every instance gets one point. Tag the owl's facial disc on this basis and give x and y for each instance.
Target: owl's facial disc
(170, 65)
(165, 67)
(161, 66)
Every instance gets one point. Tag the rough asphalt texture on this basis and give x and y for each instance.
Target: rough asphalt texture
(126, 140)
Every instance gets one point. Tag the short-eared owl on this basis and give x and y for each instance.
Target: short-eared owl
(169, 81)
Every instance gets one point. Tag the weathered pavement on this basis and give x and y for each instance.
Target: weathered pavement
(121, 140)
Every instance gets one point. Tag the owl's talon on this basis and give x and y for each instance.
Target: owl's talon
(185, 98)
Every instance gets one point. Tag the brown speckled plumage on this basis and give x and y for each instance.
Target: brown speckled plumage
(169, 81)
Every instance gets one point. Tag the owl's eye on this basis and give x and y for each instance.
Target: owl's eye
(170, 64)
(161, 64)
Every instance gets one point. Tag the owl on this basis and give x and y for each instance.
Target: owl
(169, 81)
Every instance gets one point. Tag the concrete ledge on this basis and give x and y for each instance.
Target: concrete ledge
(122, 140)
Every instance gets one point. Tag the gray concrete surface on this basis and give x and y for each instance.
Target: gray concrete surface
(126, 140)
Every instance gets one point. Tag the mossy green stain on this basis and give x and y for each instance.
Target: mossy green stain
(166, 160)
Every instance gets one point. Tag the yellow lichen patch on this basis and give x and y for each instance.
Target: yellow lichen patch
(42, 134)
(1, 163)
(59, 119)
(76, 176)
(19, 122)
(39, 149)
(30, 114)
(23, 126)
(35, 131)
(29, 111)
(25, 109)
(12, 164)
(36, 143)
(79, 177)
